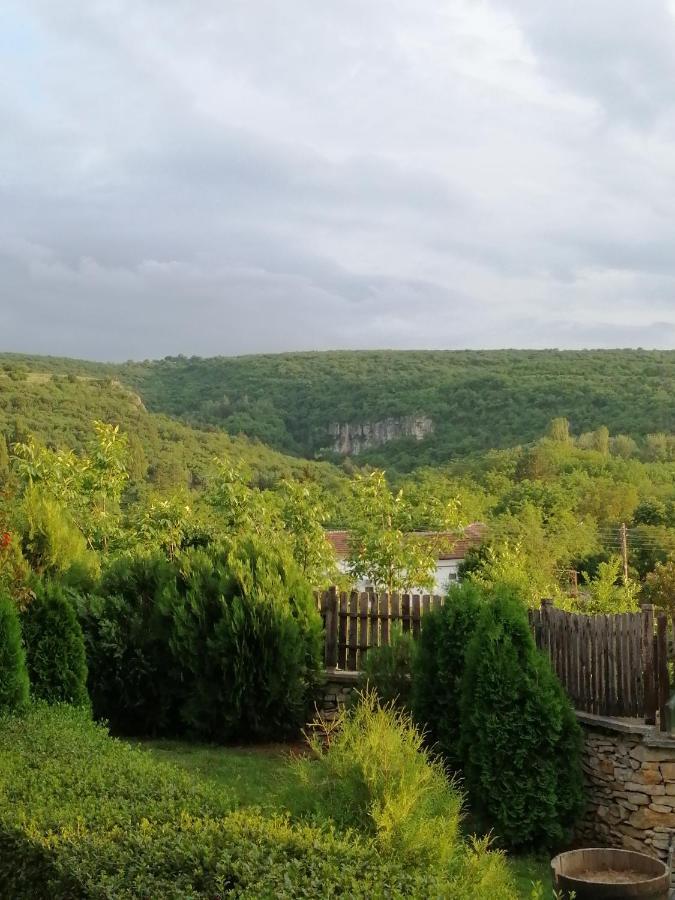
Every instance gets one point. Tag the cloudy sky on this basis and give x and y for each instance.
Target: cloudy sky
(235, 176)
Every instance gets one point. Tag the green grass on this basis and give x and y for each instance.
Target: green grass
(261, 777)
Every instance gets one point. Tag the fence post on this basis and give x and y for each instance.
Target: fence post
(331, 628)
(651, 698)
(662, 675)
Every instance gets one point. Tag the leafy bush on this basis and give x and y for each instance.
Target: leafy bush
(439, 669)
(134, 681)
(106, 821)
(249, 640)
(223, 644)
(13, 673)
(519, 737)
(371, 771)
(387, 669)
(55, 655)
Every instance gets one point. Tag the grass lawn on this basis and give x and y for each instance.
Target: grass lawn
(261, 777)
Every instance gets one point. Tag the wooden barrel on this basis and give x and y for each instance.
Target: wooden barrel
(599, 874)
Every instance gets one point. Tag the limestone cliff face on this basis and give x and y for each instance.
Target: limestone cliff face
(352, 438)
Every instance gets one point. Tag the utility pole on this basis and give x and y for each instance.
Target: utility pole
(624, 551)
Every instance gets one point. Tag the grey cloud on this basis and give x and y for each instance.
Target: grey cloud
(397, 174)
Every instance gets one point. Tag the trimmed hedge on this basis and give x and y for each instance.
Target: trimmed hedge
(520, 741)
(55, 655)
(83, 816)
(439, 669)
(14, 685)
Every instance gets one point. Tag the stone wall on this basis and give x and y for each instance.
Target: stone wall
(336, 691)
(629, 772)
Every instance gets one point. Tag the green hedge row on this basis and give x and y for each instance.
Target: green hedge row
(107, 821)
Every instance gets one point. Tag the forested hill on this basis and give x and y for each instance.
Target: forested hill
(458, 402)
(51, 401)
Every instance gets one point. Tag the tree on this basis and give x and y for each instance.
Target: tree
(4, 458)
(303, 515)
(659, 586)
(520, 741)
(606, 593)
(382, 546)
(55, 655)
(559, 430)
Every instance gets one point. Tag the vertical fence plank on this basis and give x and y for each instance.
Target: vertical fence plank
(342, 630)
(651, 699)
(353, 630)
(364, 600)
(384, 619)
(373, 621)
(331, 628)
(662, 668)
(415, 613)
(426, 604)
(405, 613)
(395, 610)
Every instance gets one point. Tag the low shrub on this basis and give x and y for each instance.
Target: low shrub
(85, 817)
(438, 669)
(14, 685)
(55, 655)
(520, 739)
(387, 669)
(371, 771)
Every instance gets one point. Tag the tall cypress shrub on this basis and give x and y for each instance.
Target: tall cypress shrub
(14, 685)
(520, 740)
(249, 639)
(438, 669)
(55, 654)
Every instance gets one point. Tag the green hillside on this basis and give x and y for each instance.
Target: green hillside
(476, 400)
(59, 406)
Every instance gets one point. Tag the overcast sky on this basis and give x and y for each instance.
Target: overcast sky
(235, 176)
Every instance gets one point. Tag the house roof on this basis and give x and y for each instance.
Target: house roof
(456, 546)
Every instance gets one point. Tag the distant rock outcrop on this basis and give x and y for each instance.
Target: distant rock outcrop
(352, 438)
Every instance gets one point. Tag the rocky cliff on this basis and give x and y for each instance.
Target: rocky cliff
(352, 438)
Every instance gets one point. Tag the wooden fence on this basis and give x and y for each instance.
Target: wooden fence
(355, 622)
(614, 665)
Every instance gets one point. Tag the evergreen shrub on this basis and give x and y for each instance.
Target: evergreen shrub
(387, 669)
(55, 654)
(438, 669)
(134, 680)
(14, 685)
(520, 740)
(248, 637)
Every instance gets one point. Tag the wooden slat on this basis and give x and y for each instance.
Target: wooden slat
(662, 668)
(395, 610)
(426, 604)
(352, 630)
(331, 629)
(384, 618)
(342, 629)
(373, 622)
(415, 613)
(405, 613)
(363, 628)
(650, 693)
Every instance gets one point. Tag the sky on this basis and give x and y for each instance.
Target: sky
(241, 176)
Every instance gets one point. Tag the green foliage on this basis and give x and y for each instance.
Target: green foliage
(104, 820)
(55, 655)
(387, 669)
(606, 592)
(381, 548)
(438, 669)
(52, 543)
(134, 682)
(375, 774)
(13, 673)
(659, 586)
(247, 636)
(520, 740)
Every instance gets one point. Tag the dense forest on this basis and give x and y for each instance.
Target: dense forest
(476, 400)
(553, 491)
